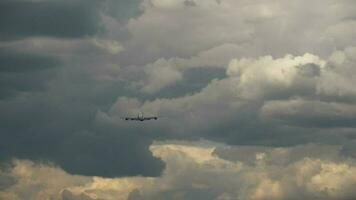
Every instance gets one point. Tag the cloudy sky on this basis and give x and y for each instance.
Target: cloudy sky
(257, 98)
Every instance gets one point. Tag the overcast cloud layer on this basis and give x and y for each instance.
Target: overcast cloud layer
(265, 74)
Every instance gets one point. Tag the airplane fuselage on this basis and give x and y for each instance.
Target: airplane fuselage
(140, 118)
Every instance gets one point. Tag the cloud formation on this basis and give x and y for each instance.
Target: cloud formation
(270, 73)
(202, 170)
(48, 18)
(281, 96)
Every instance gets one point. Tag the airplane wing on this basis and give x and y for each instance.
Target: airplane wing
(139, 118)
(150, 118)
(129, 118)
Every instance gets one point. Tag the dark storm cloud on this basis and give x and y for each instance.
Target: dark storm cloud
(55, 129)
(20, 19)
(55, 136)
(24, 71)
(48, 102)
(108, 154)
(21, 62)
(68, 19)
(58, 125)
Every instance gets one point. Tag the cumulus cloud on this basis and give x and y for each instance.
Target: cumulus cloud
(206, 170)
(196, 32)
(160, 74)
(164, 73)
(268, 76)
(37, 181)
(258, 28)
(260, 93)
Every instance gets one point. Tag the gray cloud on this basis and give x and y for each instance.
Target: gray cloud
(190, 3)
(68, 19)
(48, 18)
(311, 113)
(123, 9)
(67, 195)
(21, 62)
(261, 101)
(194, 80)
(222, 70)
(254, 175)
(24, 71)
(64, 132)
(6, 181)
(205, 170)
(56, 124)
(51, 89)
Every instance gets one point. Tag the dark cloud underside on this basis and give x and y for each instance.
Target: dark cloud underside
(61, 132)
(19, 19)
(48, 105)
(23, 62)
(24, 71)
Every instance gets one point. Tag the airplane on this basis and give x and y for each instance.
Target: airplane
(140, 117)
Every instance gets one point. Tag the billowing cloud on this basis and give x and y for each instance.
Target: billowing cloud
(267, 76)
(240, 72)
(169, 28)
(62, 112)
(202, 170)
(259, 95)
(160, 74)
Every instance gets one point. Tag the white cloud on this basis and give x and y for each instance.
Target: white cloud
(167, 28)
(111, 46)
(300, 90)
(160, 74)
(266, 75)
(38, 181)
(166, 72)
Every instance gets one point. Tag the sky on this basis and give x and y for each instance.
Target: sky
(256, 99)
